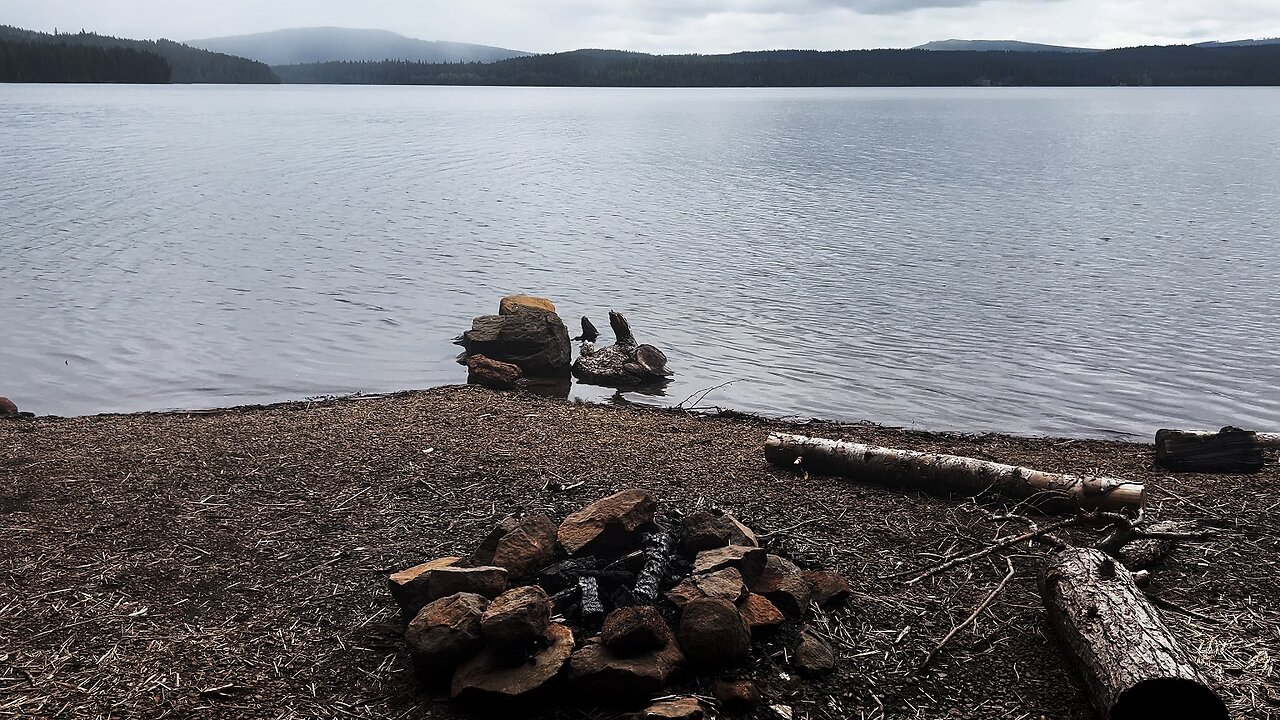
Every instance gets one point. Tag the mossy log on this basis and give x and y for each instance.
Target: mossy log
(1229, 450)
(955, 474)
(1132, 665)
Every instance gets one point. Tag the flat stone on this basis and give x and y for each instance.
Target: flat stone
(485, 580)
(410, 588)
(748, 560)
(512, 304)
(634, 630)
(736, 696)
(598, 673)
(608, 525)
(784, 585)
(723, 584)
(828, 587)
(488, 679)
(524, 546)
(445, 633)
(713, 634)
(490, 373)
(681, 708)
(812, 655)
(739, 534)
(760, 614)
(516, 618)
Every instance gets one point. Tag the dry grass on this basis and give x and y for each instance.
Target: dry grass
(232, 564)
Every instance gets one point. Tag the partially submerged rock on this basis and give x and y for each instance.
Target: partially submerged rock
(445, 633)
(610, 524)
(713, 634)
(535, 340)
(494, 374)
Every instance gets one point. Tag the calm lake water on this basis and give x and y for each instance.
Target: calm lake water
(1086, 262)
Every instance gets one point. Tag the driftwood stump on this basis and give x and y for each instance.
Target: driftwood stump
(1230, 450)
(951, 473)
(1133, 666)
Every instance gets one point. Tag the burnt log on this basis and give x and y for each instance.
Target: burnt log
(657, 549)
(592, 608)
(1230, 450)
(955, 474)
(1132, 665)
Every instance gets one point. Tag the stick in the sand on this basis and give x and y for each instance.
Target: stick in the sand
(986, 602)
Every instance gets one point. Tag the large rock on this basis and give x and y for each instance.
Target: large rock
(411, 588)
(736, 696)
(513, 304)
(812, 655)
(713, 634)
(739, 534)
(760, 614)
(487, 581)
(784, 585)
(523, 546)
(679, 708)
(535, 340)
(490, 373)
(599, 673)
(634, 630)
(516, 619)
(723, 584)
(488, 679)
(608, 525)
(8, 409)
(828, 587)
(446, 632)
(701, 531)
(748, 560)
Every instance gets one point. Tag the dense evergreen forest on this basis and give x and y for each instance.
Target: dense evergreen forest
(185, 64)
(1171, 65)
(55, 62)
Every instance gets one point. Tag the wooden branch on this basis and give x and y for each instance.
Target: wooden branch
(657, 559)
(952, 473)
(986, 602)
(1229, 450)
(1132, 665)
(1007, 542)
(592, 608)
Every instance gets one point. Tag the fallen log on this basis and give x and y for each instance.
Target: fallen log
(952, 473)
(1229, 450)
(1132, 665)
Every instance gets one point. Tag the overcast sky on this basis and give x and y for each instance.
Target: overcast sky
(677, 25)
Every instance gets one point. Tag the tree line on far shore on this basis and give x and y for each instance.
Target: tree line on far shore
(1169, 65)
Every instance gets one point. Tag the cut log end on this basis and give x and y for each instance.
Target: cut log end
(1168, 698)
(1230, 450)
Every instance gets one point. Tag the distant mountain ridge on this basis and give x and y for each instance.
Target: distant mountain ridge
(295, 46)
(1019, 46)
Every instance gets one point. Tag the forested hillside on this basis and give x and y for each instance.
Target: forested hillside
(1172, 65)
(186, 64)
(57, 62)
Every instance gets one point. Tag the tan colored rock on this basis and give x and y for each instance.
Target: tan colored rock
(485, 580)
(748, 560)
(410, 588)
(739, 534)
(723, 584)
(524, 546)
(681, 708)
(488, 679)
(812, 655)
(516, 618)
(490, 373)
(634, 630)
(597, 672)
(828, 587)
(784, 585)
(512, 304)
(610, 524)
(713, 634)
(760, 614)
(446, 632)
(736, 696)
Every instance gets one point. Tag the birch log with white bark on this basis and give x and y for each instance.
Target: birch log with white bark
(1132, 665)
(1227, 450)
(955, 474)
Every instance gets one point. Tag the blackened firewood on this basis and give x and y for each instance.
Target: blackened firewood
(563, 601)
(565, 574)
(657, 550)
(592, 608)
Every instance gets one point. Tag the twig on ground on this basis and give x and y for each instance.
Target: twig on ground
(986, 602)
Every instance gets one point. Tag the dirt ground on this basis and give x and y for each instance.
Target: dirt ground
(232, 564)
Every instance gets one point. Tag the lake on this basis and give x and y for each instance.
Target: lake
(1084, 262)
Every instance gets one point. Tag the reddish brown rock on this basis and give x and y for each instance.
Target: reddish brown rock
(445, 633)
(784, 585)
(490, 373)
(8, 409)
(702, 531)
(760, 614)
(485, 580)
(516, 618)
(488, 679)
(748, 560)
(610, 524)
(812, 655)
(597, 672)
(828, 587)
(523, 546)
(713, 634)
(736, 696)
(512, 304)
(410, 588)
(633, 630)
(739, 534)
(723, 584)
(680, 708)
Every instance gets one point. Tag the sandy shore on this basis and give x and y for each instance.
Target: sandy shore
(232, 564)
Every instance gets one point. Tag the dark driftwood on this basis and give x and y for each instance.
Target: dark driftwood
(1132, 665)
(657, 550)
(954, 474)
(1230, 450)
(592, 608)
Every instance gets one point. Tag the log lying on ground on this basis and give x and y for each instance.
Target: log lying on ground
(951, 473)
(1229, 450)
(1133, 666)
